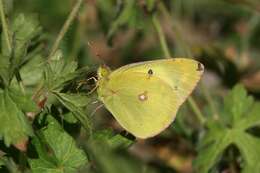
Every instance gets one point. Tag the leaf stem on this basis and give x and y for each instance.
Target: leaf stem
(167, 54)
(5, 27)
(65, 27)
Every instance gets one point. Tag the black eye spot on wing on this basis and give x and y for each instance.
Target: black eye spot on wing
(143, 96)
(200, 67)
(150, 72)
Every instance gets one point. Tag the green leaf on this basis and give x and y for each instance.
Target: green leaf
(70, 118)
(242, 101)
(14, 126)
(4, 69)
(3, 159)
(77, 100)
(9, 163)
(74, 103)
(23, 101)
(31, 72)
(65, 156)
(107, 160)
(2, 163)
(240, 114)
(58, 72)
(114, 141)
(22, 30)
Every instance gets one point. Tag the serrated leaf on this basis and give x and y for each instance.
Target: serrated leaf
(74, 106)
(242, 114)
(22, 30)
(65, 157)
(14, 126)
(24, 102)
(31, 72)
(58, 72)
(243, 102)
(76, 99)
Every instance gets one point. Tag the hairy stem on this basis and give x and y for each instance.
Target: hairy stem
(5, 27)
(161, 36)
(65, 27)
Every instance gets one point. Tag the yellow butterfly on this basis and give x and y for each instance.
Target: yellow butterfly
(144, 97)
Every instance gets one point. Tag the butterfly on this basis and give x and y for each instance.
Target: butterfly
(144, 97)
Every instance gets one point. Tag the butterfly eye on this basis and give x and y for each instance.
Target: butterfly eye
(150, 72)
(200, 67)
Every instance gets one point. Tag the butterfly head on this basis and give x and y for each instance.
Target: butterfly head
(103, 72)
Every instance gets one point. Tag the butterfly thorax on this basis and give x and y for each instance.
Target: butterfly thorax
(103, 78)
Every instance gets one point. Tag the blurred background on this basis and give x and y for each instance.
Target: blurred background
(222, 34)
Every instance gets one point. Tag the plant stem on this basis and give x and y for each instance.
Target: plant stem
(232, 164)
(56, 44)
(161, 35)
(5, 27)
(65, 27)
(210, 101)
(167, 54)
(196, 110)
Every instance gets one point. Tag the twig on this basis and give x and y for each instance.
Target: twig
(196, 110)
(65, 27)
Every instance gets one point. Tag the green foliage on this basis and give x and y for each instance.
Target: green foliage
(15, 127)
(75, 103)
(45, 118)
(58, 72)
(64, 157)
(22, 30)
(240, 113)
(103, 149)
(2, 162)
(114, 141)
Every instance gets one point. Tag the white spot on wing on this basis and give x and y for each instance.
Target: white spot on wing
(143, 96)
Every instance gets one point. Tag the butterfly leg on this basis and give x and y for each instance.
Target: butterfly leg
(82, 82)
